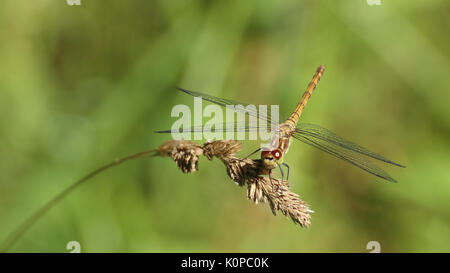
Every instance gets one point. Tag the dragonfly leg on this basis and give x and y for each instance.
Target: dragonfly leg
(282, 173)
(287, 166)
(259, 149)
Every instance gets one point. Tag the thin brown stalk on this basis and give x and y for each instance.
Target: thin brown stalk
(26, 225)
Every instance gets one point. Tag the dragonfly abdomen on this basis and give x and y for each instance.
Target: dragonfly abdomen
(294, 117)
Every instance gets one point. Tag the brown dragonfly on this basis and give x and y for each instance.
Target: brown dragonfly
(311, 134)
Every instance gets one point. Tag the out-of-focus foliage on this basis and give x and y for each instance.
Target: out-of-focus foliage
(83, 85)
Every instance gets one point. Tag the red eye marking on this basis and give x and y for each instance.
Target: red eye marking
(276, 153)
(265, 153)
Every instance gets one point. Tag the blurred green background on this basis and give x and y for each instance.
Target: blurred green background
(83, 85)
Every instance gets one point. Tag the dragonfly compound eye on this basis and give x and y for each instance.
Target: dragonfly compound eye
(276, 153)
(266, 155)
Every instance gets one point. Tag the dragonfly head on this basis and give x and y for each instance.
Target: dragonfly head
(270, 158)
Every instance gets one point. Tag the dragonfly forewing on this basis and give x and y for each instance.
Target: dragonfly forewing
(234, 105)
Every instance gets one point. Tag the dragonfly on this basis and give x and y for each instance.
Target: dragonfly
(311, 134)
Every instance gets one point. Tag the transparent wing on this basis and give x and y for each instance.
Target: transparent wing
(238, 126)
(237, 106)
(333, 144)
